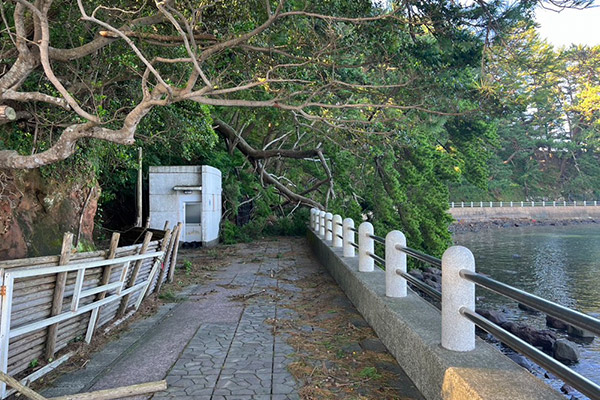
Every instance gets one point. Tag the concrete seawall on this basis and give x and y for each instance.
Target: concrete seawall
(411, 330)
(482, 214)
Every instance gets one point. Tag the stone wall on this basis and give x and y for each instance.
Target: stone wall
(35, 212)
(481, 214)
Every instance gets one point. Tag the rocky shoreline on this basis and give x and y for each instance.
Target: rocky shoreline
(464, 226)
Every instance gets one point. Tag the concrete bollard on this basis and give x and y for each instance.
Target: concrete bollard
(313, 218)
(365, 245)
(337, 231)
(395, 285)
(328, 226)
(458, 333)
(348, 234)
(317, 221)
(322, 224)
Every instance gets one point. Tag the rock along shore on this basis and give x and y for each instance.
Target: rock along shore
(476, 226)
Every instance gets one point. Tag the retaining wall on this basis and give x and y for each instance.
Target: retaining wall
(480, 214)
(411, 330)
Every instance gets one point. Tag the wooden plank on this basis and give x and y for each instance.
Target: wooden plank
(59, 292)
(42, 371)
(12, 382)
(112, 250)
(117, 393)
(175, 249)
(168, 244)
(134, 274)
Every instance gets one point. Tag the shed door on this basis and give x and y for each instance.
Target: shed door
(192, 221)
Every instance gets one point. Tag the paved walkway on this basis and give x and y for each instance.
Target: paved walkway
(222, 341)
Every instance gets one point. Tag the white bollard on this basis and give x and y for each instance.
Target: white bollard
(322, 224)
(317, 221)
(328, 226)
(337, 231)
(395, 285)
(313, 219)
(348, 234)
(458, 333)
(365, 245)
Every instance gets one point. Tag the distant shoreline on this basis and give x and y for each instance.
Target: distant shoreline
(459, 227)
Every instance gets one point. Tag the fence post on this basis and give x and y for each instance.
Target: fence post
(511, 203)
(365, 245)
(458, 333)
(348, 234)
(322, 224)
(395, 285)
(59, 292)
(311, 220)
(337, 231)
(328, 226)
(317, 221)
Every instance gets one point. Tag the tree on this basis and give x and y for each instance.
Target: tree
(339, 84)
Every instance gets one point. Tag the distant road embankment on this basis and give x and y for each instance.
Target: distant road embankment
(540, 212)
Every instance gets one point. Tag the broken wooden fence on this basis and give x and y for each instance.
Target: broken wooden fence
(48, 302)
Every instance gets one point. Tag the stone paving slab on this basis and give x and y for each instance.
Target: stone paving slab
(218, 344)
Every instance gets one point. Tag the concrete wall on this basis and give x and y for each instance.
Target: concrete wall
(478, 214)
(411, 329)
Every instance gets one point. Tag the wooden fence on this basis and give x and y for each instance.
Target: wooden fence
(48, 302)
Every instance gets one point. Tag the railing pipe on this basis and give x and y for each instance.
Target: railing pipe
(365, 245)
(395, 261)
(348, 234)
(322, 224)
(422, 286)
(579, 382)
(565, 314)
(337, 231)
(436, 262)
(458, 333)
(328, 226)
(377, 239)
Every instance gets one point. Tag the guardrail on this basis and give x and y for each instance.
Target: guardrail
(495, 204)
(458, 297)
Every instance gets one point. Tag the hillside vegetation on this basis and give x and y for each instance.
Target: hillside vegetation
(366, 109)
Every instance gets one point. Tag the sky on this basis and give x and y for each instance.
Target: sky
(570, 26)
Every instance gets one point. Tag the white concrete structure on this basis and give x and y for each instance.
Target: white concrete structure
(190, 195)
(458, 333)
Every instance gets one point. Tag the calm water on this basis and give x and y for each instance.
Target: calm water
(560, 263)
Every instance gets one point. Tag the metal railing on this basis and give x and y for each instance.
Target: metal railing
(458, 297)
(494, 204)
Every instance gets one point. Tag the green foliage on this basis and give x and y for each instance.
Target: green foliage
(370, 373)
(546, 105)
(187, 266)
